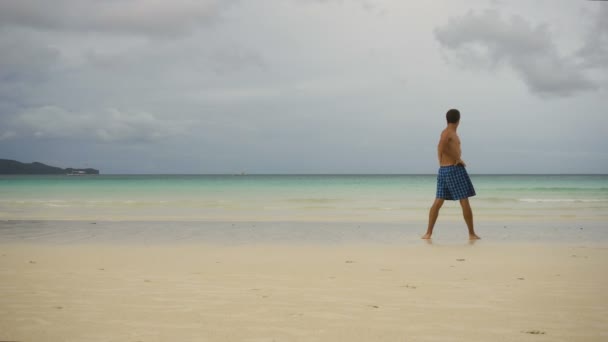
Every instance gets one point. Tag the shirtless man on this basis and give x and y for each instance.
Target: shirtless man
(453, 182)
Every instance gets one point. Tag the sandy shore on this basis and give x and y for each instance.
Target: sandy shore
(197, 292)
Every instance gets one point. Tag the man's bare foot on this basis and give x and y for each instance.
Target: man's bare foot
(474, 237)
(426, 236)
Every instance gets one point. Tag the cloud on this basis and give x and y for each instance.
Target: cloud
(488, 40)
(25, 63)
(367, 5)
(232, 58)
(594, 51)
(107, 126)
(7, 135)
(24, 59)
(139, 17)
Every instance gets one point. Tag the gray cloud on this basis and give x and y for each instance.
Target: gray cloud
(6, 135)
(24, 59)
(108, 126)
(595, 48)
(367, 5)
(25, 63)
(140, 17)
(183, 59)
(234, 58)
(486, 39)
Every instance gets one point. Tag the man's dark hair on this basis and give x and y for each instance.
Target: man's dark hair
(453, 116)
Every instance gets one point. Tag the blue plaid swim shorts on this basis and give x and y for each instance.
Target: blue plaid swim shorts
(453, 183)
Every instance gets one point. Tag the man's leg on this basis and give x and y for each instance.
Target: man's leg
(433, 214)
(468, 217)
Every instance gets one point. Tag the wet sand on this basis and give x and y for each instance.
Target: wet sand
(307, 292)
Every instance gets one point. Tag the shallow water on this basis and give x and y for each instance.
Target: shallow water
(297, 198)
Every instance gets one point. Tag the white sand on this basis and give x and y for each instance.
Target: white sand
(303, 293)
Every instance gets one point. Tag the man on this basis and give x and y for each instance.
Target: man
(453, 182)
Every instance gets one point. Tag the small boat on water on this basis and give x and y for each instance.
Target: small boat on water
(78, 173)
(81, 172)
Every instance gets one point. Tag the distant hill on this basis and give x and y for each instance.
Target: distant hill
(13, 167)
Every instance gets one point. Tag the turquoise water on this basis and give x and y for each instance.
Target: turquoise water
(330, 198)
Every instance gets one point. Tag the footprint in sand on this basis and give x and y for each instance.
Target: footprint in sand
(534, 332)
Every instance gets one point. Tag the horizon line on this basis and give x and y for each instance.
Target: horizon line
(348, 174)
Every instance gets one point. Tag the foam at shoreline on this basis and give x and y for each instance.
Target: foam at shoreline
(255, 232)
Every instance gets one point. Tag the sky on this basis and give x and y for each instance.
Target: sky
(304, 86)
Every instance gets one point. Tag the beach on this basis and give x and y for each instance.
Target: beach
(277, 292)
(300, 258)
(303, 171)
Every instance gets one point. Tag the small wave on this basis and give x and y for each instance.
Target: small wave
(560, 200)
(50, 203)
(498, 199)
(549, 189)
(55, 205)
(313, 200)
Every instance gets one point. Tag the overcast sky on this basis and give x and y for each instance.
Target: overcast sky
(304, 86)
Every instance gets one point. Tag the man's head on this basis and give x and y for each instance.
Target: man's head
(453, 116)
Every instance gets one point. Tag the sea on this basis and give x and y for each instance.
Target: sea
(283, 206)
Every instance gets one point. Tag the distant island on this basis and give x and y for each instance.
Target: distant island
(13, 167)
